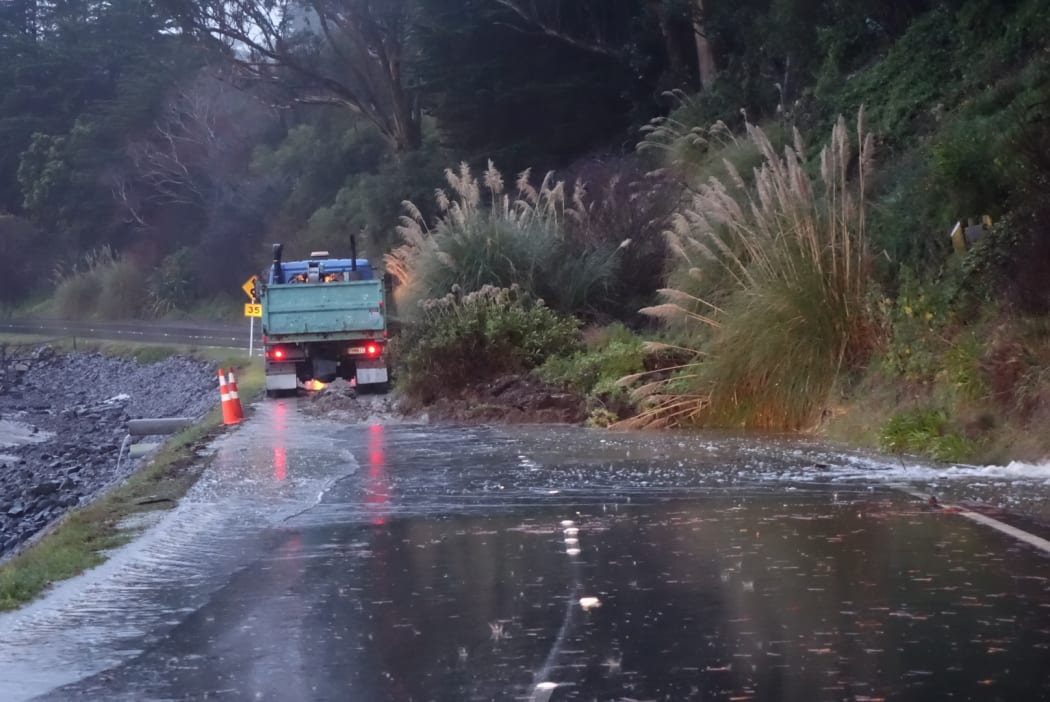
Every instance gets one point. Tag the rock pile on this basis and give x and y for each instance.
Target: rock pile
(63, 420)
(339, 401)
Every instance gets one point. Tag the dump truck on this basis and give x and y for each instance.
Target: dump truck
(323, 318)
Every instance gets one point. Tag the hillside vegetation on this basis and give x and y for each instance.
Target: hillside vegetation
(757, 195)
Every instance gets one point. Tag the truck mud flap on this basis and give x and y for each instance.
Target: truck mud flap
(371, 373)
(281, 376)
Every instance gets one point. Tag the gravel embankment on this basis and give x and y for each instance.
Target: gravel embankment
(63, 418)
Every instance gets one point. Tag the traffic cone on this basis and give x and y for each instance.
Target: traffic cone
(235, 399)
(229, 414)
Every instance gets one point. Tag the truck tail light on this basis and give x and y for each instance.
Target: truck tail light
(275, 352)
(373, 350)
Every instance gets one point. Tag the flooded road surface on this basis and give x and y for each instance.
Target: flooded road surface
(316, 561)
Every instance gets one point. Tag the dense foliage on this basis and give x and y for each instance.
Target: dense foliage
(540, 241)
(151, 125)
(463, 339)
(186, 134)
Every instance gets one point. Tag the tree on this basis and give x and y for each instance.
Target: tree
(500, 87)
(186, 180)
(23, 265)
(609, 28)
(346, 53)
(76, 78)
(706, 65)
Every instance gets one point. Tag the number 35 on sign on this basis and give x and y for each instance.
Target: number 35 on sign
(252, 310)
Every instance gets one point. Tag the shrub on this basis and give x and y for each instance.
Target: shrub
(78, 286)
(171, 285)
(101, 285)
(77, 295)
(463, 339)
(925, 432)
(916, 329)
(795, 254)
(596, 371)
(489, 239)
(627, 201)
(124, 290)
(685, 144)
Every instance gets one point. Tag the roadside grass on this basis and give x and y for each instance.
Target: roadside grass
(143, 352)
(977, 392)
(82, 538)
(926, 431)
(32, 307)
(786, 313)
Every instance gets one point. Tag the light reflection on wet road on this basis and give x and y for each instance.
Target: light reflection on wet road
(323, 562)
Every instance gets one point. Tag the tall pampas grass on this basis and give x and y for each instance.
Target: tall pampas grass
(484, 236)
(792, 259)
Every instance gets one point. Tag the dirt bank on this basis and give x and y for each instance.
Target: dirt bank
(512, 399)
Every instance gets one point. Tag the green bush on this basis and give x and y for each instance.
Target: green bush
(909, 220)
(596, 371)
(969, 169)
(916, 325)
(926, 432)
(459, 340)
(922, 67)
(171, 285)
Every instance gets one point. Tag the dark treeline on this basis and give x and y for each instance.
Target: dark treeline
(169, 139)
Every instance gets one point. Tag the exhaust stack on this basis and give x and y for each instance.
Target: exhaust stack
(278, 274)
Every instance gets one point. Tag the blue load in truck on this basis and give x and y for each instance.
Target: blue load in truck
(323, 318)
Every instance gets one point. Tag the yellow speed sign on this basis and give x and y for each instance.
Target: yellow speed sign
(252, 310)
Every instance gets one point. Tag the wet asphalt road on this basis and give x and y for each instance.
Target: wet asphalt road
(316, 561)
(203, 334)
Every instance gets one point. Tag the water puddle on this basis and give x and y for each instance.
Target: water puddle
(14, 433)
(261, 474)
(753, 598)
(316, 560)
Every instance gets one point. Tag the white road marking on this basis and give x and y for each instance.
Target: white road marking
(1019, 534)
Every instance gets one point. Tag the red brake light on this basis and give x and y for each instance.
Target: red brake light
(278, 353)
(372, 350)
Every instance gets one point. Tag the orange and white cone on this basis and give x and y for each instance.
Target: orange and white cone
(235, 399)
(229, 414)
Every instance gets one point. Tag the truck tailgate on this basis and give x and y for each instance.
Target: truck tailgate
(323, 308)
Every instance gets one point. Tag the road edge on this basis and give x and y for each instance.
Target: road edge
(84, 537)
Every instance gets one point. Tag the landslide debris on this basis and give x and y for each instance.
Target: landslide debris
(340, 401)
(511, 399)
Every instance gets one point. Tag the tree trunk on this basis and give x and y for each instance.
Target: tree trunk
(407, 123)
(705, 54)
(674, 53)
